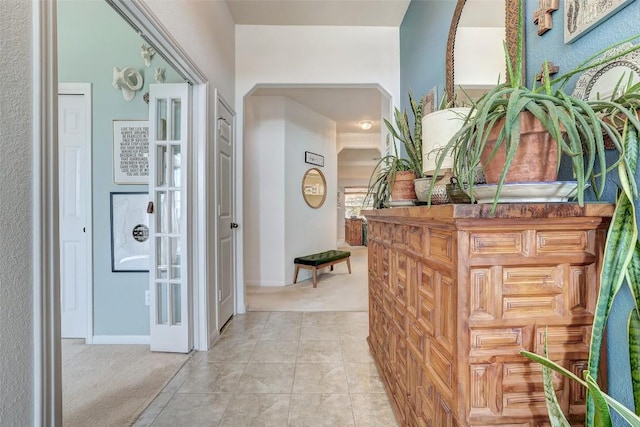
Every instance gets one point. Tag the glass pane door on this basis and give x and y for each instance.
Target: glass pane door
(168, 162)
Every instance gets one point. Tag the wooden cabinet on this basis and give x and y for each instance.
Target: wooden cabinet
(455, 294)
(353, 231)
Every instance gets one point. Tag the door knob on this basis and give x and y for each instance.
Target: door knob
(234, 225)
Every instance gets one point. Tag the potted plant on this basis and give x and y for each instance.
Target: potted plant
(512, 124)
(394, 175)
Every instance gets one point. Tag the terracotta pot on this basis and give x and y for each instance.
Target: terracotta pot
(536, 158)
(403, 187)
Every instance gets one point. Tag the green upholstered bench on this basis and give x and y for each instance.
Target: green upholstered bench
(321, 260)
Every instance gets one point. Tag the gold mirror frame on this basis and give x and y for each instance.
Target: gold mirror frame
(511, 36)
(313, 195)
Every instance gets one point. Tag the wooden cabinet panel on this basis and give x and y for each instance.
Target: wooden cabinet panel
(456, 294)
(353, 231)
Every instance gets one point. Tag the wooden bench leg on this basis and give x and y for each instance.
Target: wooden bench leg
(295, 276)
(315, 276)
(331, 267)
(349, 264)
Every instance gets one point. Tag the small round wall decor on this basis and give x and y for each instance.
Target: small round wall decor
(140, 233)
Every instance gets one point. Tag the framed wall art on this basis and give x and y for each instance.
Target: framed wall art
(581, 16)
(131, 151)
(129, 232)
(313, 158)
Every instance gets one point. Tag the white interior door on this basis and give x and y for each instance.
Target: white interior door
(75, 209)
(226, 225)
(169, 266)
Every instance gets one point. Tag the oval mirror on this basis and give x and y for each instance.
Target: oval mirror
(314, 188)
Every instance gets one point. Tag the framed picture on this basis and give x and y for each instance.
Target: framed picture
(580, 16)
(131, 151)
(313, 158)
(430, 101)
(129, 232)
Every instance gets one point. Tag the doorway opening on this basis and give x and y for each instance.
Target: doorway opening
(324, 120)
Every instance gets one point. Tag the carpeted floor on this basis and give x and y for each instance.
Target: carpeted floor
(337, 290)
(110, 385)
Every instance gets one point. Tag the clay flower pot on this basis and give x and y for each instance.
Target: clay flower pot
(403, 188)
(536, 158)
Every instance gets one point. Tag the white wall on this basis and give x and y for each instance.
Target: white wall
(479, 56)
(264, 198)
(206, 32)
(291, 55)
(16, 217)
(308, 230)
(278, 224)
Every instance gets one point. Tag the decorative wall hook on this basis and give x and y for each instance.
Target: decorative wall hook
(553, 69)
(128, 80)
(159, 75)
(147, 52)
(542, 17)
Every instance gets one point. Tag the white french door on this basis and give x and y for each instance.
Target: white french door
(169, 267)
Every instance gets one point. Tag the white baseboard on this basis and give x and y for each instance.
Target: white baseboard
(121, 339)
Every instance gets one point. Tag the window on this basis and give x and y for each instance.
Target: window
(354, 198)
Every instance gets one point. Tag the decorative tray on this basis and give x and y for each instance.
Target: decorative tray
(526, 192)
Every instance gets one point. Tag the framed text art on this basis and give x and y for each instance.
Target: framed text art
(581, 16)
(313, 158)
(131, 151)
(129, 232)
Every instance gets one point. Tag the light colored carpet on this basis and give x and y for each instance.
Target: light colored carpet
(337, 290)
(110, 385)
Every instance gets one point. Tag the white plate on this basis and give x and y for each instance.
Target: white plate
(398, 203)
(526, 192)
(600, 82)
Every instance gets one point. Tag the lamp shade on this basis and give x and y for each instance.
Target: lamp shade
(437, 129)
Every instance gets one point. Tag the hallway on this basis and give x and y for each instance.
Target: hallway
(279, 369)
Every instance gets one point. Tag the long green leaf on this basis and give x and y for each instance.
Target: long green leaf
(630, 417)
(621, 241)
(556, 416)
(633, 331)
(602, 417)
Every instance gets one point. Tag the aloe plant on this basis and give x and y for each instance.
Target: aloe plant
(577, 126)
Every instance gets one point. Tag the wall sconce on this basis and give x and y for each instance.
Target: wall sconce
(365, 124)
(128, 80)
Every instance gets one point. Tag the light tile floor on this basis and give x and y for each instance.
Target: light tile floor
(279, 369)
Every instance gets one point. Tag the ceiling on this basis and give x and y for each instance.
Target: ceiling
(383, 13)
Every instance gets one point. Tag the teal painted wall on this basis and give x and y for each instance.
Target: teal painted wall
(422, 66)
(423, 45)
(92, 39)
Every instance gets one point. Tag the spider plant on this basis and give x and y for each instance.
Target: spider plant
(384, 174)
